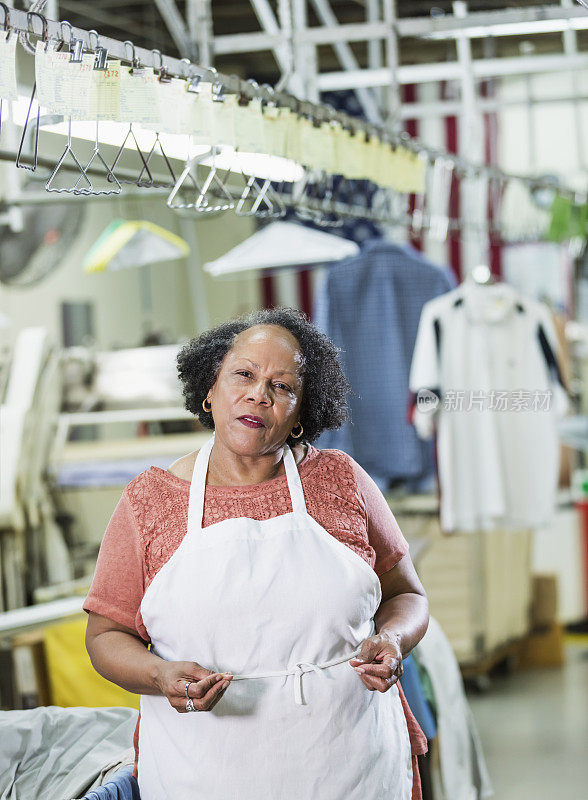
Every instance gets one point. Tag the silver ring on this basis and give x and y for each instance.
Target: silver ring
(186, 688)
(190, 705)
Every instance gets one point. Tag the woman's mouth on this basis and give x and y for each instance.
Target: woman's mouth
(252, 422)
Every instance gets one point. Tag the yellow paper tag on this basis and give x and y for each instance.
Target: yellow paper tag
(275, 131)
(249, 128)
(309, 144)
(341, 146)
(202, 117)
(105, 90)
(8, 88)
(293, 139)
(224, 120)
(139, 97)
(174, 104)
(63, 86)
(327, 148)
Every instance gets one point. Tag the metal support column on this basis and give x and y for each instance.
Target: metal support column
(268, 22)
(199, 18)
(176, 26)
(475, 250)
(570, 42)
(392, 61)
(345, 55)
(305, 55)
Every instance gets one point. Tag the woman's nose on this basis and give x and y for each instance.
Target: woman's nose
(260, 393)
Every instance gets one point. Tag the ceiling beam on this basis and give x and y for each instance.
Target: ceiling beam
(451, 70)
(268, 22)
(345, 55)
(177, 28)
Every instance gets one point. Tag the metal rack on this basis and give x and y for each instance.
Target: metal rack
(33, 23)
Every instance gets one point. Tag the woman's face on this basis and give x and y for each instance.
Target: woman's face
(259, 378)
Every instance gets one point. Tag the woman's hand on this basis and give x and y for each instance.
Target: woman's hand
(379, 663)
(206, 688)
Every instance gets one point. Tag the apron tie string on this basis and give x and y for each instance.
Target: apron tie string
(298, 673)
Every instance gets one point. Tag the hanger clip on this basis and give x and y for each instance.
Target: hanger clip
(194, 83)
(101, 59)
(76, 49)
(164, 76)
(218, 92)
(136, 68)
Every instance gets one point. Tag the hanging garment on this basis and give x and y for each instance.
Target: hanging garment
(370, 306)
(415, 696)
(284, 606)
(121, 786)
(463, 769)
(485, 373)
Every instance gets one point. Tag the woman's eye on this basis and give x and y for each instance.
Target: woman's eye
(283, 386)
(244, 372)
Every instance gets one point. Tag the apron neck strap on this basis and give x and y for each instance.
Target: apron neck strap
(294, 482)
(198, 484)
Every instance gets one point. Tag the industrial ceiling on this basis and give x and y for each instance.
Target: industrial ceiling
(144, 22)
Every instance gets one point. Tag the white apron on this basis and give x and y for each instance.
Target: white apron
(283, 605)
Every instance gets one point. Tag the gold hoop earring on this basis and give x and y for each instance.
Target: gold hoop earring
(297, 435)
(208, 410)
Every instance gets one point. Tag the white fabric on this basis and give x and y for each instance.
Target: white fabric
(464, 775)
(283, 244)
(497, 468)
(276, 602)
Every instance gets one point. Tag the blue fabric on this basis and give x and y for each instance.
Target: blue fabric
(102, 474)
(370, 306)
(415, 697)
(122, 786)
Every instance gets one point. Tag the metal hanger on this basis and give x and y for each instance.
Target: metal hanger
(156, 184)
(163, 76)
(145, 168)
(49, 187)
(210, 197)
(44, 38)
(97, 155)
(83, 177)
(8, 32)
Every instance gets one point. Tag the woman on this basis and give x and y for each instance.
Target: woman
(274, 587)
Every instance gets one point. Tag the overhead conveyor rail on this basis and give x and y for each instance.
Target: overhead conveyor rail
(32, 23)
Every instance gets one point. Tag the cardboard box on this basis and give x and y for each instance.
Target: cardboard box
(544, 603)
(543, 648)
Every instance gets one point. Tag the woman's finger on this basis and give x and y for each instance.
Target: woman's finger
(382, 670)
(213, 694)
(374, 683)
(219, 695)
(199, 689)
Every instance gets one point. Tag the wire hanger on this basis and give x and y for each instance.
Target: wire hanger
(44, 38)
(97, 155)
(210, 197)
(8, 32)
(145, 167)
(87, 189)
(157, 146)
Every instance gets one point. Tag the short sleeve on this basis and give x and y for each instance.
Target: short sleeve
(117, 588)
(424, 371)
(384, 533)
(424, 379)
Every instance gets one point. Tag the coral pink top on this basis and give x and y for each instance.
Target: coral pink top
(151, 518)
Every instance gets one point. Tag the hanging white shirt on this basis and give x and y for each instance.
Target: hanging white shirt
(491, 357)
